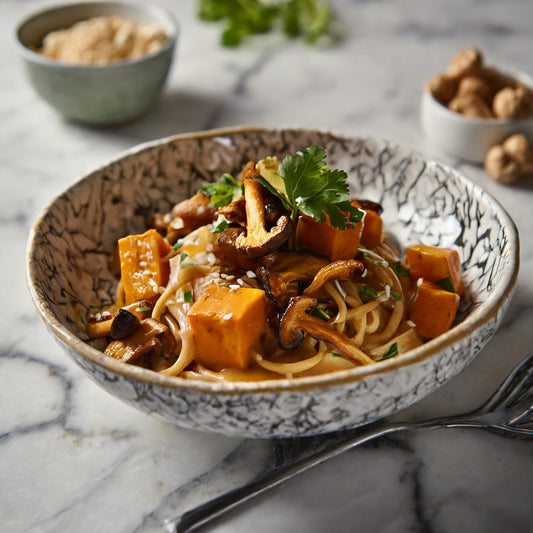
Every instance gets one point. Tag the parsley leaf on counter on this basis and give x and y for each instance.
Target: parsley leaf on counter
(308, 18)
(311, 188)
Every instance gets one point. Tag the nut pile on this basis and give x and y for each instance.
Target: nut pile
(475, 90)
(508, 162)
(101, 40)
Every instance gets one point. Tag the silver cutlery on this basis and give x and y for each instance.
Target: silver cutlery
(509, 409)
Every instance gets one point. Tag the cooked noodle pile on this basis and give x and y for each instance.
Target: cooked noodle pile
(232, 300)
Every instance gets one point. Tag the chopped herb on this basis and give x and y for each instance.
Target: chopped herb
(399, 269)
(219, 225)
(393, 350)
(446, 284)
(183, 256)
(311, 188)
(178, 244)
(222, 192)
(334, 354)
(395, 296)
(243, 18)
(367, 293)
(143, 309)
(320, 313)
(187, 296)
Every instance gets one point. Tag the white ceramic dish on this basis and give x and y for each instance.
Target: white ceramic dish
(467, 138)
(68, 276)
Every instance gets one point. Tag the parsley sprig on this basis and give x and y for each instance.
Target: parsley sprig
(222, 192)
(243, 18)
(311, 188)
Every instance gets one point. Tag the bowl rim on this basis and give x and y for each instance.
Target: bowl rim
(442, 110)
(35, 57)
(487, 311)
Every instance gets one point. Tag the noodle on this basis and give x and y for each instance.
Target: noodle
(356, 311)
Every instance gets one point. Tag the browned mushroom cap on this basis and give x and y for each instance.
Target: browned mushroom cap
(119, 323)
(124, 325)
(190, 215)
(256, 240)
(281, 274)
(296, 322)
(342, 270)
(152, 336)
(369, 205)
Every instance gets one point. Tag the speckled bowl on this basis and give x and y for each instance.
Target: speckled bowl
(96, 94)
(68, 276)
(469, 138)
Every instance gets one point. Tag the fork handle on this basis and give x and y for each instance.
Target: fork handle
(216, 507)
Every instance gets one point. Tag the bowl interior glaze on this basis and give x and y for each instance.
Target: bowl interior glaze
(424, 202)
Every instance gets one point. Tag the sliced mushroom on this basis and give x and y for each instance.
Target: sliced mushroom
(256, 240)
(190, 215)
(282, 274)
(152, 336)
(97, 328)
(343, 270)
(104, 325)
(296, 322)
(234, 212)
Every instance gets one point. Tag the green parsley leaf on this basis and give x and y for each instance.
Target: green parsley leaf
(243, 18)
(335, 354)
(320, 313)
(143, 309)
(367, 293)
(178, 244)
(222, 192)
(183, 256)
(219, 225)
(395, 296)
(393, 350)
(446, 284)
(315, 190)
(187, 296)
(399, 269)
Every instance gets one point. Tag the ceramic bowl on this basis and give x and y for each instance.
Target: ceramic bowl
(96, 94)
(468, 138)
(424, 202)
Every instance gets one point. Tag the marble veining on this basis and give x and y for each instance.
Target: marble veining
(75, 459)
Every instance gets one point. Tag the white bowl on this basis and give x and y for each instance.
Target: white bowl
(468, 138)
(69, 277)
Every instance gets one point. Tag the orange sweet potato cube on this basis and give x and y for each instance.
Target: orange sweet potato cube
(327, 240)
(372, 230)
(434, 264)
(225, 325)
(141, 266)
(433, 309)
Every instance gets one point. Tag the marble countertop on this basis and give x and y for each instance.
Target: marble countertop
(73, 458)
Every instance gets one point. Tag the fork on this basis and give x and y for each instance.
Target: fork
(509, 409)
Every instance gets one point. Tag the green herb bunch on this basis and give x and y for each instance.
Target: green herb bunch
(310, 19)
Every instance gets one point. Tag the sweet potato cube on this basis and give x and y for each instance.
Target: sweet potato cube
(327, 240)
(433, 309)
(434, 264)
(225, 325)
(372, 230)
(141, 266)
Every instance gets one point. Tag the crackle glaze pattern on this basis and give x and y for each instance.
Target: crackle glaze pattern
(423, 202)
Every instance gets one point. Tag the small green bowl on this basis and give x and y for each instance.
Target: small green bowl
(99, 94)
